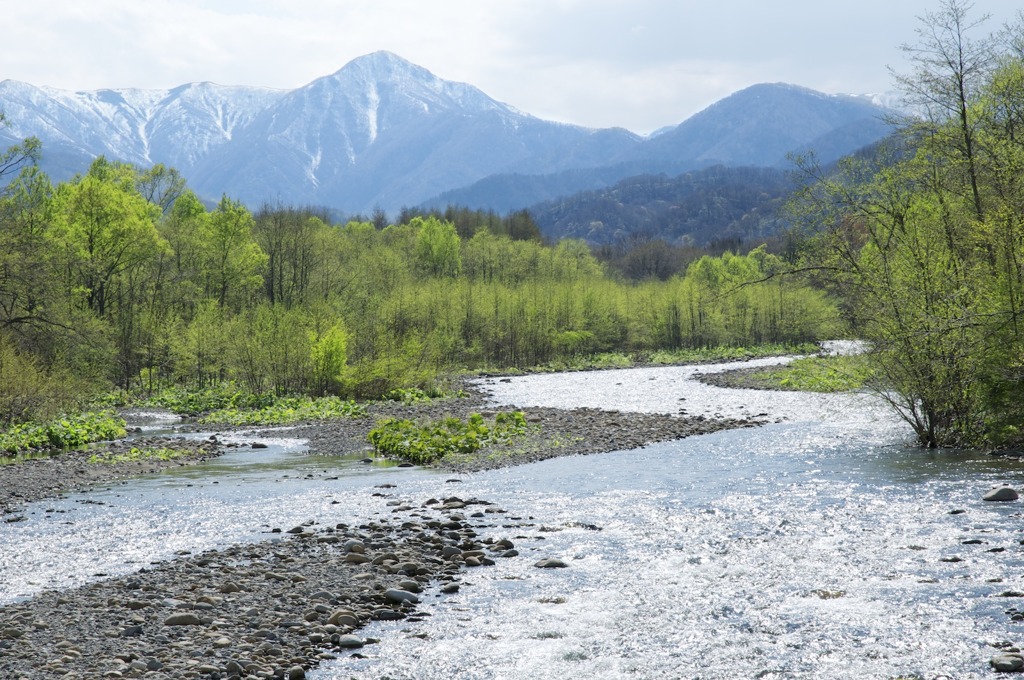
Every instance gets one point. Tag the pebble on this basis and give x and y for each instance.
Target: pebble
(349, 642)
(182, 620)
(400, 596)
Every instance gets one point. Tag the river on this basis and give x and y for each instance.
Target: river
(817, 545)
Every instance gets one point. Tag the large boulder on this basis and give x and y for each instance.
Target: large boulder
(1001, 493)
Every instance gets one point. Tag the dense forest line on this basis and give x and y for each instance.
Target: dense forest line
(123, 277)
(693, 209)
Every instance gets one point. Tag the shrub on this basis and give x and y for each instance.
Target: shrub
(426, 444)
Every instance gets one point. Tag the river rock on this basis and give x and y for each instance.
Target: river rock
(296, 673)
(551, 563)
(349, 642)
(1007, 663)
(397, 595)
(343, 617)
(410, 585)
(1001, 493)
(182, 619)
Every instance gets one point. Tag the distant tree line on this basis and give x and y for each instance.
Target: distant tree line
(123, 277)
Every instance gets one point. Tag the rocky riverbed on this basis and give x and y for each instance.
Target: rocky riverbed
(276, 608)
(272, 609)
(553, 432)
(759, 378)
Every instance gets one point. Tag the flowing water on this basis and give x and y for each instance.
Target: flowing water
(812, 546)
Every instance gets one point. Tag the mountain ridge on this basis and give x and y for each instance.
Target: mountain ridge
(384, 132)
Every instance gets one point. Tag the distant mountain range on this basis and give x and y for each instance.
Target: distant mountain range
(383, 132)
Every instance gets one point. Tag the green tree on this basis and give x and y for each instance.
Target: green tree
(107, 232)
(437, 247)
(926, 243)
(233, 262)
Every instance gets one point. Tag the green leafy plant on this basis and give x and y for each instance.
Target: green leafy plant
(428, 443)
(817, 374)
(218, 397)
(416, 395)
(64, 433)
(288, 410)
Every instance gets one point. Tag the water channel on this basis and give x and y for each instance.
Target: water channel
(817, 545)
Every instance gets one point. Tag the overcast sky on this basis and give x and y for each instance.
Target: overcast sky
(638, 64)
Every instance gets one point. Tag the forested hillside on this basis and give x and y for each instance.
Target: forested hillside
(122, 277)
(694, 208)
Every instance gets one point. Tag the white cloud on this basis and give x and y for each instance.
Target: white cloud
(639, 64)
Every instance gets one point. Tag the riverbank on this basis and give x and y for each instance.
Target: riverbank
(272, 609)
(761, 378)
(48, 475)
(553, 433)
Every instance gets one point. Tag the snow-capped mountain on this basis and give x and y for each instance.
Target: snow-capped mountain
(178, 127)
(379, 132)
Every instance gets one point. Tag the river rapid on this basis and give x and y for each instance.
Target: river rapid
(817, 545)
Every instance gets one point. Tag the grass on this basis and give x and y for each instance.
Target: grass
(814, 374)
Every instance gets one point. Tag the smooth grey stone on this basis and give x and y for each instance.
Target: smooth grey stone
(1001, 493)
(1007, 663)
(182, 619)
(398, 595)
(349, 642)
(551, 563)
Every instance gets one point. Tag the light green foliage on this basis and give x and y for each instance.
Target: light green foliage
(328, 355)
(160, 185)
(268, 350)
(63, 433)
(233, 261)
(818, 374)
(437, 247)
(18, 157)
(26, 392)
(415, 395)
(288, 410)
(428, 443)
(200, 354)
(124, 277)
(926, 244)
(106, 232)
(193, 402)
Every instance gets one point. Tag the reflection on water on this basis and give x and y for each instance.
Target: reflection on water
(815, 546)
